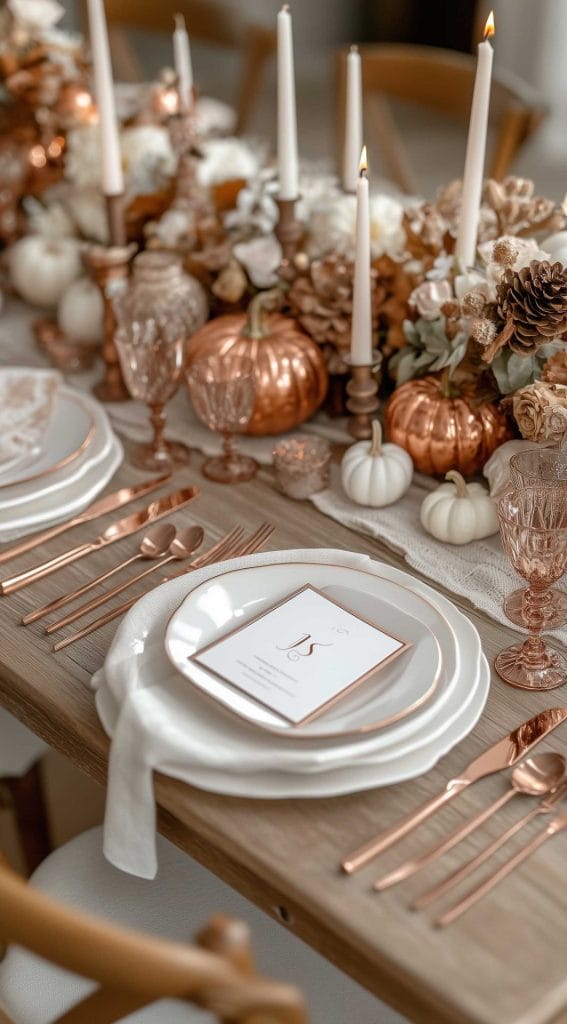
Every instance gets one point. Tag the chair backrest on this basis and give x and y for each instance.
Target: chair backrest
(442, 81)
(208, 21)
(134, 969)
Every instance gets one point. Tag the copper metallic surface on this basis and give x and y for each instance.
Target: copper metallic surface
(362, 403)
(116, 531)
(474, 895)
(291, 375)
(533, 777)
(154, 544)
(109, 268)
(232, 545)
(181, 546)
(545, 806)
(288, 229)
(442, 433)
(109, 503)
(503, 754)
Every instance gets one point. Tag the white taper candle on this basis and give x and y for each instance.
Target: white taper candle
(183, 65)
(361, 333)
(112, 178)
(353, 120)
(287, 114)
(465, 250)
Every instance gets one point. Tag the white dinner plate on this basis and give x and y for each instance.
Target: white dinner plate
(54, 508)
(70, 430)
(394, 692)
(193, 739)
(77, 409)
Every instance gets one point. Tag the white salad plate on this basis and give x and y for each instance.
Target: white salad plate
(79, 437)
(181, 731)
(394, 692)
(27, 398)
(56, 506)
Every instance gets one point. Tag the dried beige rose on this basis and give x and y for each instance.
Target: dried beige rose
(556, 421)
(531, 407)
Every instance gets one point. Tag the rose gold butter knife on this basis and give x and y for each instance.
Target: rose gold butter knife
(503, 754)
(116, 531)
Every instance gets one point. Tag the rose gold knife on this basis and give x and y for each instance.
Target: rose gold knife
(110, 503)
(116, 531)
(503, 754)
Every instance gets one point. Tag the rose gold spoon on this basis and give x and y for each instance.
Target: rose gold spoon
(535, 776)
(186, 542)
(154, 544)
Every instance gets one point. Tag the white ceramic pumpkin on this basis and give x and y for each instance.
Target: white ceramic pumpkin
(376, 474)
(41, 268)
(80, 311)
(457, 512)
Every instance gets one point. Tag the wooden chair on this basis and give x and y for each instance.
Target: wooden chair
(441, 81)
(134, 970)
(21, 788)
(207, 21)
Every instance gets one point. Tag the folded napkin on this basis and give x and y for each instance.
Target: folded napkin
(26, 403)
(158, 721)
(478, 571)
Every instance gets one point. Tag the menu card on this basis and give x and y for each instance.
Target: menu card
(301, 655)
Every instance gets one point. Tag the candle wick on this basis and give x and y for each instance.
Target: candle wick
(354, 48)
(179, 21)
(285, 8)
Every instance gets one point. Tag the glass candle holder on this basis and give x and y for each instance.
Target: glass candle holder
(301, 465)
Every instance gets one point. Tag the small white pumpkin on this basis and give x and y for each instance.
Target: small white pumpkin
(457, 512)
(80, 311)
(42, 268)
(376, 474)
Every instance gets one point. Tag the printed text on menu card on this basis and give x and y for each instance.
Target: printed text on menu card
(301, 655)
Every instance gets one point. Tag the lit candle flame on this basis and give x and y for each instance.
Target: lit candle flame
(489, 27)
(363, 165)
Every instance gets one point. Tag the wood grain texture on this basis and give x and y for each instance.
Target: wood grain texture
(503, 963)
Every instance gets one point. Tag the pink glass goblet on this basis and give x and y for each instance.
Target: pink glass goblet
(540, 467)
(533, 527)
(151, 354)
(223, 390)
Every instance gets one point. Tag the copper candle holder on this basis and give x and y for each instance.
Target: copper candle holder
(362, 403)
(288, 229)
(109, 266)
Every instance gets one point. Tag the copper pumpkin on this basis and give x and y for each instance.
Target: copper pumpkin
(441, 432)
(291, 376)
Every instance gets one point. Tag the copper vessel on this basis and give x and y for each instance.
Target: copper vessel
(291, 376)
(443, 431)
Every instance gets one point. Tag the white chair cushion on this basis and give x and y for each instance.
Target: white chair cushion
(19, 748)
(175, 904)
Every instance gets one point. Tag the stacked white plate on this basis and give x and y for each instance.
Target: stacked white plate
(75, 457)
(179, 717)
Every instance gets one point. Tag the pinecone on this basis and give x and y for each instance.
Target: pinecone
(320, 297)
(533, 301)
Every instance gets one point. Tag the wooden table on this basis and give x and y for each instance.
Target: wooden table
(502, 963)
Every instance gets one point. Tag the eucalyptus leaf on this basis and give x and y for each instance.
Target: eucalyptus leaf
(522, 370)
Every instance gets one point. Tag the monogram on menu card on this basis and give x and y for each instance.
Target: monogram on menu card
(296, 671)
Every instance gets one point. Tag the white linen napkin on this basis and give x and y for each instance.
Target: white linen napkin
(26, 403)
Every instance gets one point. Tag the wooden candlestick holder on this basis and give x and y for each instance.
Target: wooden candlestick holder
(288, 230)
(110, 267)
(362, 403)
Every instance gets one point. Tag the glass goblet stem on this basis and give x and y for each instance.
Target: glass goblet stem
(228, 447)
(157, 420)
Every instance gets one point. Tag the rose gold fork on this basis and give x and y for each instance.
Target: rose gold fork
(228, 547)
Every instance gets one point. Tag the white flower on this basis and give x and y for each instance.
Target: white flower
(474, 281)
(526, 248)
(52, 221)
(255, 208)
(555, 419)
(226, 160)
(36, 15)
(332, 226)
(173, 226)
(429, 297)
(441, 269)
(147, 158)
(260, 258)
(88, 211)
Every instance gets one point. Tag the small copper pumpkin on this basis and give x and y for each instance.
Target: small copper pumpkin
(291, 375)
(443, 432)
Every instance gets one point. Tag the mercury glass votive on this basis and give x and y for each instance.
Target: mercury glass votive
(301, 465)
